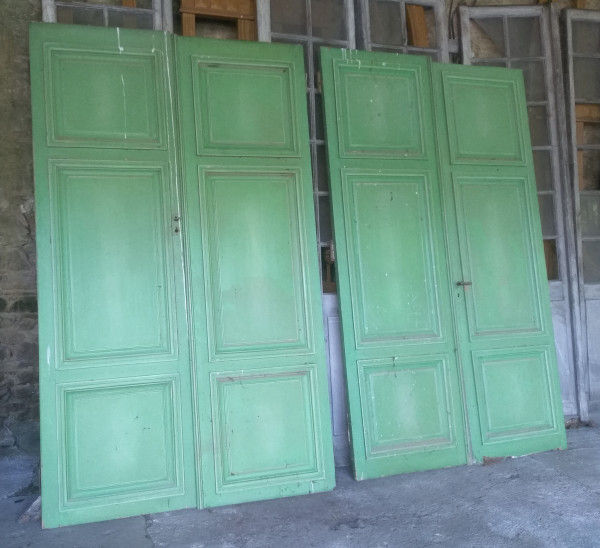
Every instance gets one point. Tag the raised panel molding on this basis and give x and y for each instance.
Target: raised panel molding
(500, 139)
(393, 281)
(380, 111)
(496, 238)
(405, 404)
(122, 440)
(108, 219)
(514, 395)
(264, 427)
(250, 217)
(114, 99)
(244, 110)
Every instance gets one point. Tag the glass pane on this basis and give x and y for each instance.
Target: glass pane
(533, 74)
(524, 37)
(320, 131)
(386, 23)
(317, 57)
(432, 54)
(591, 261)
(586, 80)
(288, 16)
(588, 164)
(420, 26)
(501, 64)
(80, 16)
(487, 38)
(546, 202)
(390, 49)
(327, 270)
(322, 173)
(588, 124)
(590, 215)
(329, 19)
(551, 257)
(325, 232)
(538, 125)
(130, 20)
(542, 164)
(99, 2)
(586, 36)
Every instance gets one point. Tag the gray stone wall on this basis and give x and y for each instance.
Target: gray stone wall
(18, 300)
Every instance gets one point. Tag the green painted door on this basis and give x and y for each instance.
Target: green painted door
(425, 356)
(503, 316)
(115, 391)
(395, 301)
(260, 372)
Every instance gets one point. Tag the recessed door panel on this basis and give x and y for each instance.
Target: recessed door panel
(254, 261)
(133, 428)
(381, 110)
(407, 405)
(514, 396)
(497, 252)
(402, 376)
(260, 368)
(97, 99)
(245, 108)
(483, 121)
(254, 444)
(379, 206)
(110, 220)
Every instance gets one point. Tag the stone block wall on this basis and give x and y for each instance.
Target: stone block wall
(18, 299)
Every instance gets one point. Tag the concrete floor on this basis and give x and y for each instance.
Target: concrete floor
(547, 499)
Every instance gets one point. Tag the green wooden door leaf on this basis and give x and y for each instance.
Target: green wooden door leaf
(403, 384)
(260, 368)
(503, 319)
(116, 408)
(436, 338)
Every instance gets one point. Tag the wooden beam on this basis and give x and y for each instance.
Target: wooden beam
(416, 26)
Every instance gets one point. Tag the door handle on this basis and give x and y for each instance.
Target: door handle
(464, 283)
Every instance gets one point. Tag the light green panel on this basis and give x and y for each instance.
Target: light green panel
(244, 110)
(497, 254)
(483, 120)
(513, 393)
(120, 442)
(406, 405)
(109, 222)
(391, 256)
(99, 100)
(381, 111)
(254, 445)
(252, 219)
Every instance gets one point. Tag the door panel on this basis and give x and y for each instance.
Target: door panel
(380, 204)
(497, 252)
(116, 414)
(263, 408)
(503, 319)
(402, 377)
(254, 262)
